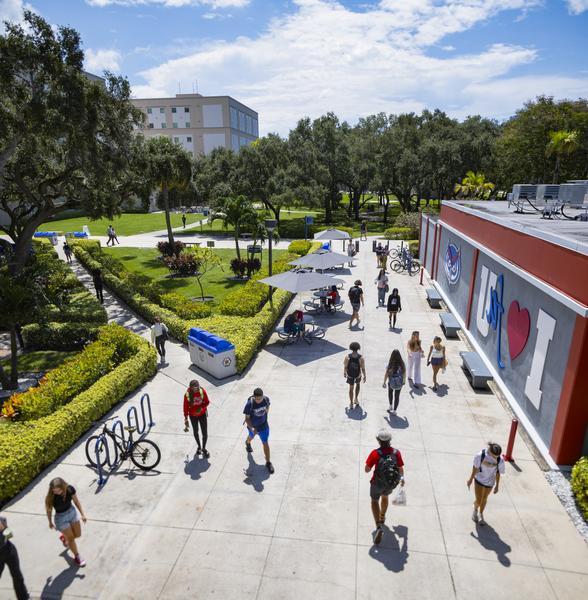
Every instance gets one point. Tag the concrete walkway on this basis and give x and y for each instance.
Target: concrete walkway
(224, 528)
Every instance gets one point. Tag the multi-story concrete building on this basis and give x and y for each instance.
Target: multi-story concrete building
(200, 123)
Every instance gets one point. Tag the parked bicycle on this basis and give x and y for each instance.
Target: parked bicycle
(404, 261)
(144, 453)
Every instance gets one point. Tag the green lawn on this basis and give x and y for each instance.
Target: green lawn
(41, 360)
(216, 283)
(126, 224)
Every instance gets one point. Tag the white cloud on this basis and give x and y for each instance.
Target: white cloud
(102, 59)
(577, 7)
(214, 4)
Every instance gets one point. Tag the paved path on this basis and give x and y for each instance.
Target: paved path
(206, 529)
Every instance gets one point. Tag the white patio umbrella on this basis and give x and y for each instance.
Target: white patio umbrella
(321, 260)
(333, 234)
(300, 281)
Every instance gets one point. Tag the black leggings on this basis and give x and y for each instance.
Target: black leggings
(392, 317)
(9, 556)
(203, 420)
(160, 345)
(393, 398)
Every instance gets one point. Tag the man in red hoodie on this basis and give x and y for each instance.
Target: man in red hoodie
(195, 406)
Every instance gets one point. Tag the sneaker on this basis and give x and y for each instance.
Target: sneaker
(198, 451)
(80, 561)
(63, 541)
(390, 410)
(270, 467)
(393, 412)
(475, 516)
(481, 521)
(206, 453)
(248, 447)
(378, 535)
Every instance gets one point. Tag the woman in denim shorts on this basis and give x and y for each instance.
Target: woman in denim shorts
(60, 498)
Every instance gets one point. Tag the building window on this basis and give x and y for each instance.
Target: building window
(163, 125)
(173, 109)
(175, 125)
(189, 139)
(162, 110)
(177, 140)
(150, 125)
(234, 118)
(186, 109)
(187, 124)
(149, 111)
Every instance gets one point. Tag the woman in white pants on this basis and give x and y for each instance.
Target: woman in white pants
(415, 355)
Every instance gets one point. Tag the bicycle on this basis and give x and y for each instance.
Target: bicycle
(405, 262)
(145, 454)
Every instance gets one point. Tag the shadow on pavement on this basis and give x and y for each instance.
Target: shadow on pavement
(389, 552)
(255, 474)
(196, 466)
(397, 422)
(301, 354)
(489, 539)
(357, 413)
(55, 587)
(213, 380)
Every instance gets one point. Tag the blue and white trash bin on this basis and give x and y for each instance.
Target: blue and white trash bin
(212, 353)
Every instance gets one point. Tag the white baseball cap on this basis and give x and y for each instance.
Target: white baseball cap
(384, 435)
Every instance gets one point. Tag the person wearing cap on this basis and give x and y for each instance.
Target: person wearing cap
(486, 471)
(196, 409)
(256, 411)
(9, 557)
(356, 298)
(378, 495)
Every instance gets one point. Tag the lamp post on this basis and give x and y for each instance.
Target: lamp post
(270, 225)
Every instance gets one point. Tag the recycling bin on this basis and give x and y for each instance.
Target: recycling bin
(212, 353)
(86, 230)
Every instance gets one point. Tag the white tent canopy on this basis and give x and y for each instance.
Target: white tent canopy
(332, 234)
(300, 281)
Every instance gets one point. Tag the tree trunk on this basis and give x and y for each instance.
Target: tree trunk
(170, 233)
(4, 381)
(386, 207)
(201, 288)
(328, 210)
(13, 359)
(237, 243)
(556, 170)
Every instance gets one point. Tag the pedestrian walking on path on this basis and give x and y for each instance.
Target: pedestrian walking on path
(110, 234)
(184, 220)
(388, 473)
(363, 231)
(159, 335)
(356, 299)
(353, 369)
(415, 354)
(59, 498)
(113, 234)
(98, 284)
(9, 557)
(382, 285)
(394, 307)
(395, 378)
(256, 412)
(436, 358)
(67, 251)
(486, 472)
(196, 409)
(350, 252)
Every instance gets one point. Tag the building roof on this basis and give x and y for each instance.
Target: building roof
(564, 232)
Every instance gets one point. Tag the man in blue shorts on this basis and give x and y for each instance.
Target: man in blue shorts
(256, 411)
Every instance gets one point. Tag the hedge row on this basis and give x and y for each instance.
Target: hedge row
(399, 233)
(26, 448)
(59, 336)
(300, 247)
(580, 484)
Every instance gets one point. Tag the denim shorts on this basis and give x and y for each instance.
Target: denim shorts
(263, 434)
(66, 519)
(437, 362)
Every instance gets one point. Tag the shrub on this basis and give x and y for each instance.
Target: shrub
(294, 229)
(411, 220)
(399, 233)
(26, 448)
(238, 267)
(59, 336)
(185, 308)
(82, 306)
(167, 249)
(580, 484)
(300, 247)
(413, 246)
(245, 301)
(183, 265)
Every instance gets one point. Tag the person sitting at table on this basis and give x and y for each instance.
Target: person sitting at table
(294, 322)
(332, 298)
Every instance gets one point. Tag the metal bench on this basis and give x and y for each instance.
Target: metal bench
(317, 306)
(449, 325)
(478, 372)
(288, 337)
(433, 298)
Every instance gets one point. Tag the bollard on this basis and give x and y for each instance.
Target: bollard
(422, 271)
(511, 439)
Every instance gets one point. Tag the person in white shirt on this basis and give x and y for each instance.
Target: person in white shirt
(159, 334)
(486, 471)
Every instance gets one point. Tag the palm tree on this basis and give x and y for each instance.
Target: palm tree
(169, 167)
(560, 143)
(474, 185)
(238, 212)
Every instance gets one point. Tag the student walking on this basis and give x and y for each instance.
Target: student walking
(98, 284)
(59, 498)
(363, 231)
(486, 472)
(159, 335)
(394, 307)
(436, 358)
(350, 252)
(184, 220)
(353, 370)
(109, 231)
(395, 377)
(415, 354)
(388, 473)
(9, 557)
(114, 238)
(382, 285)
(196, 409)
(356, 300)
(67, 251)
(256, 412)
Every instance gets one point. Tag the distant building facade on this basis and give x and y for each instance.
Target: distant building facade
(200, 123)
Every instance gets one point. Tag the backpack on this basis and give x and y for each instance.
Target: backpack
(289, 323)
(396, 381)
(354, 294)
(387, 475)
(482, 460)
(353, 367)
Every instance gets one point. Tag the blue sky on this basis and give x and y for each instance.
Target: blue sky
(287, 59)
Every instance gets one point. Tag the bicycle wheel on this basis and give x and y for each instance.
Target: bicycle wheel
(91, 452)
(145, 454)
(413, 267)
(397, 266)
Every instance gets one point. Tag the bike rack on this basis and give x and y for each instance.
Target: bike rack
(118, 429)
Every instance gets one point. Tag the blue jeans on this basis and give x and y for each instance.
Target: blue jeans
(381, 296)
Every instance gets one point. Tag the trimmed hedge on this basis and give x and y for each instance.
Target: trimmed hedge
(59, 336)
(413, 246)
(83, 306)
(411, 220)
(26, 448)
(294, 229)
(399, 233)
(300, 247)
(580, 484)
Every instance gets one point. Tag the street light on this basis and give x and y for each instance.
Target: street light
(270, 225)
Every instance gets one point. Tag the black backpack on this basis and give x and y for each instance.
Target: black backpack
(387, 475)
(354, 294)
(353, 367)
(289, 323)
